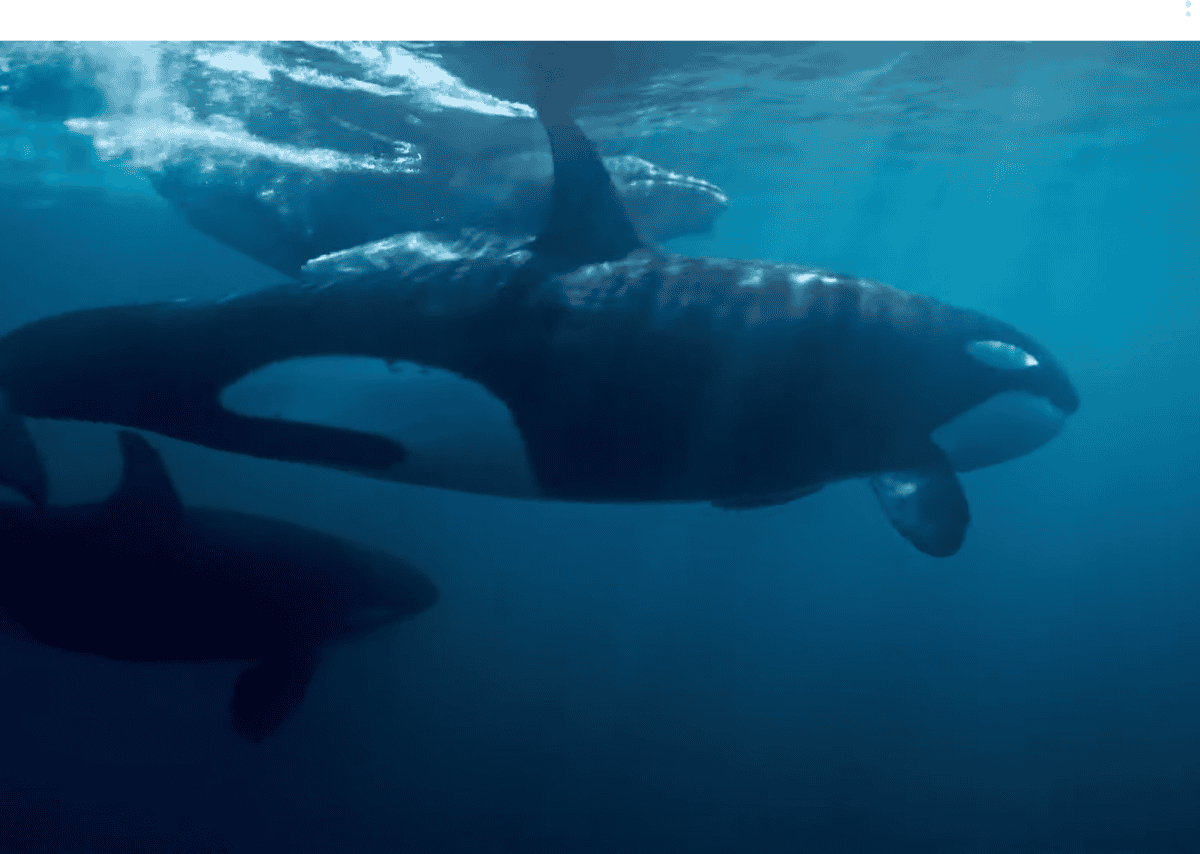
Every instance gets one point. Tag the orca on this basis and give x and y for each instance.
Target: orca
(139, 577)
(583, 365)
(279, 216)
(476, 161)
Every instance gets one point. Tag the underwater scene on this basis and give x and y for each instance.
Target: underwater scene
(589, 447)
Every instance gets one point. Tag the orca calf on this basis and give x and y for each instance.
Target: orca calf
(278, 215)
(584, 365)
(475, 162)
(139, 577)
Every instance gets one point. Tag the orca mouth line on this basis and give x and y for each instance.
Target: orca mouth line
(1005, 426)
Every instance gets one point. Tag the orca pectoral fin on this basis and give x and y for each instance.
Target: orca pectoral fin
(299, 442)
(927, 506)
(268, 692)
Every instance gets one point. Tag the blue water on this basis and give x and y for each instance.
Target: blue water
(681, 678)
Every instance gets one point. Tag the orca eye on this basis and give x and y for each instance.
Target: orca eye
(998, 354)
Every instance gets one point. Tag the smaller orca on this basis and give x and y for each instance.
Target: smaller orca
(279, 216)
(139, 577)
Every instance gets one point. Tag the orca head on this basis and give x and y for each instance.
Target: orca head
(1019, 400)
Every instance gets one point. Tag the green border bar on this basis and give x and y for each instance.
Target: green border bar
(708, 19)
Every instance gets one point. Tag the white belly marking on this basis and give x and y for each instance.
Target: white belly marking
(457, 434)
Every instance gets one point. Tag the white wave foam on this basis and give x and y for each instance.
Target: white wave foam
(148, 124)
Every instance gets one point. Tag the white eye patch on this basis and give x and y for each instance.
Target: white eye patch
(998, 354)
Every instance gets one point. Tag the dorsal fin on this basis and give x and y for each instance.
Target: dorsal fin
(588, 222)
(266, 694)
(145, 487)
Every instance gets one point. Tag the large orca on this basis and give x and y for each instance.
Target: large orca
(139, 577)
(584, 365)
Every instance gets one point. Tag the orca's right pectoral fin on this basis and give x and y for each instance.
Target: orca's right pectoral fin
(268, 692)
(927, 506)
